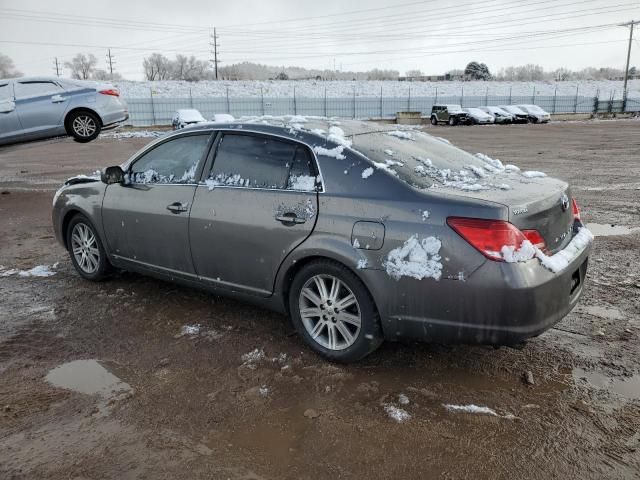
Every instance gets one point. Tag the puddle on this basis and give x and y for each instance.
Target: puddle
(627, 387)
(88, 377)
(606, 230)
(608, 313)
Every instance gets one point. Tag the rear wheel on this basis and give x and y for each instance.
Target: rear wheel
(453, 121)
(84, 126)
(85, 249)
(434, 120)
(333, 312)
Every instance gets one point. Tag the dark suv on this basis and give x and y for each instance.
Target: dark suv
(451, 114)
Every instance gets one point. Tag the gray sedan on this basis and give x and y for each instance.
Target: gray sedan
(358, 232)
(41, 107)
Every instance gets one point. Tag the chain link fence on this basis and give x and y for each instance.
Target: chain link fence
(160, 110)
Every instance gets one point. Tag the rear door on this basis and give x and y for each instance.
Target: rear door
(9, 123)
(40, 106)
(146, 219)
(257, 204)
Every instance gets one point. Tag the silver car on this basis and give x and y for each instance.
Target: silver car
(358, 232)
(41, 107)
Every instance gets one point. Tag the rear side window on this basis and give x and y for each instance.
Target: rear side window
(34, 89)
(5, 92)
(261, 162)
(174, 162)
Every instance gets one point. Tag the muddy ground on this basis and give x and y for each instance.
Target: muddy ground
(188, 404)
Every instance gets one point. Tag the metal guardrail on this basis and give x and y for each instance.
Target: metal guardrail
(159, 111)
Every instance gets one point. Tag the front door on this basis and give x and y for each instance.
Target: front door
(40, 106)
(258, 204)
(146, 219)
(9, 122)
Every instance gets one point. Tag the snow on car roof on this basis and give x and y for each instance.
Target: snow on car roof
(190, 115)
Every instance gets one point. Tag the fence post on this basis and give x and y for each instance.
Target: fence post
(325, 101)
(190, 98)
(555, 98)
(575, 103)
(596, 102)
(510, 91)
(462, 96)
(354, 102)
(610, 109)
(153, 108)
(533, 96)
(381, 102)
(486, 96)
(409, 101)
(295, 103)
(262, 100)
(228, 105)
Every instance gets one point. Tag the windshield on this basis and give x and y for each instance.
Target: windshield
(419, 159)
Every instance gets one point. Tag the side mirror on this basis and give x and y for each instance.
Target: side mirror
(111, 175)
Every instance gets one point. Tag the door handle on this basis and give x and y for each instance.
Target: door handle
(177, 207)
(58, 99)
(290, 218)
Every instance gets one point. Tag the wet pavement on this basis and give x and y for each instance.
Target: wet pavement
(138, 378)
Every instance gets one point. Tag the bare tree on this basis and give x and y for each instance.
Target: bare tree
(414, 73)
(82, 66)
(100, 74)
(7, 69)
(157, 67)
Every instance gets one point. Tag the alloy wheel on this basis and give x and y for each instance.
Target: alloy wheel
(330, 312)
(84, 125)
(85, 248)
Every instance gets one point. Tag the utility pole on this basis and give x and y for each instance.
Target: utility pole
(215, 45)
(57, 67)
(110, 61)
(626, 70)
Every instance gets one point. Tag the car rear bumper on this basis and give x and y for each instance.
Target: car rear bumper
(499, 304)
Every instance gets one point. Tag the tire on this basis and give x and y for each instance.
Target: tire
(337, 340)
(434, 121)
(453, 121)
(86, 251)
(84, 126)
(534, 120)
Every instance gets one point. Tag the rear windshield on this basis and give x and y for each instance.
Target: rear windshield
(417, 158)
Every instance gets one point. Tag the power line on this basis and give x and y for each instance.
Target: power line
(215, 45)
(110, 61)
(57, 66)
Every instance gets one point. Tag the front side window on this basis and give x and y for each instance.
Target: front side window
(261, 162)
(35, 89)
(172, 162)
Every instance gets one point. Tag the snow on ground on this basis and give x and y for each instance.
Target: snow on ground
(416, 259)
(397, 414)
(133, 134)
(252, 358)
(316, 89)
(37, 271)
(471, 408)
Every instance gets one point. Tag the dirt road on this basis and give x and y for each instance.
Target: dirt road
(189, 385)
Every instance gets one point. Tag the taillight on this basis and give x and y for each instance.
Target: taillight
(488, 236)
(110, 91)
(575, 209)
(535, 238)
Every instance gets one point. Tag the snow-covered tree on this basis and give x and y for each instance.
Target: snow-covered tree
(7, 69)
(414, 73)
(100, 74)
(477, 71)
(82, 66)
(157, 67)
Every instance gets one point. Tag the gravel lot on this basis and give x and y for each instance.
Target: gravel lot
(189, 402)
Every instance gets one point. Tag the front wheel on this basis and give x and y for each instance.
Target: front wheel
(453, 121)
(333, 312)
(84, 126)
(86, 251)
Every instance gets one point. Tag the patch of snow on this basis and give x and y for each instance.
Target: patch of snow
(227, 179)
(388, 152)
(336, 135)
(356, 243)
(512, 255)
(477, 170)
(132, 134)
(397, 414)
(386, 166)
(367, 172)
(250, 359)
(443, 140)
(425, 215)
(362, 264)
(511, 168)
(188, 115)
(415, 259)
(400, 134)
(471, 408)
(263, 391)
(190, 330)
(403, 399)
(333, 152)
(318, 131)
(533, 174)
(223, 118)
(305, 183)
(560, 260)
(37, 271)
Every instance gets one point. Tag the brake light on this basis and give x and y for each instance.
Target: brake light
(535, 238)
(110, 91)
(575, 209)
(488, 236)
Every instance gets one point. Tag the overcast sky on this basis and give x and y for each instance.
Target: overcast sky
(433, 36)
